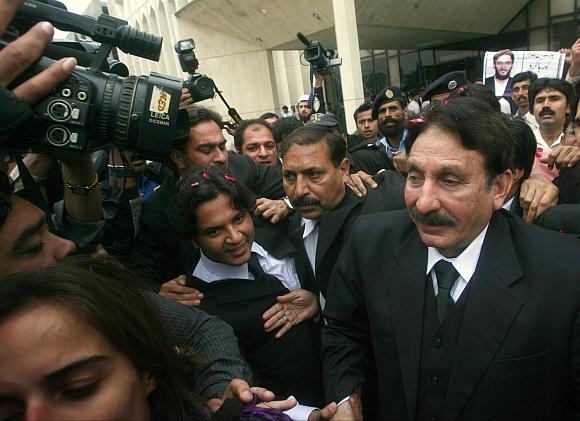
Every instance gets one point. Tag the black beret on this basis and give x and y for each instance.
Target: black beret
(446, 84)
(390, 93)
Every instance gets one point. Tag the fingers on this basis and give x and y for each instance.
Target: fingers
(239, 389)
(21, 53)
(327, 412)
(214, 404)
(176, 290)
(8, 9)
(263, 394)
(279, 405)
(356, 185)
(278, 317)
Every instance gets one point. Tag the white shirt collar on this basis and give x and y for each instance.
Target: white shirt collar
(466, 262)
(508, 205)
(309, 226)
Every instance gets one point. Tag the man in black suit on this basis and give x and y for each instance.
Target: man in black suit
(314, 170)
(465, 311)
(158, 256)
(501, 82)
(241, 280)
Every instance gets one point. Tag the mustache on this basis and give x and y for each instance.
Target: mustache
(432, 218)
(547, 111)
(391, 120)
(305, 201)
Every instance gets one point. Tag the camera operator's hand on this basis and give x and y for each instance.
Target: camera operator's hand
(21, 53)
(185, 97)
(318, 80)
(82, 194)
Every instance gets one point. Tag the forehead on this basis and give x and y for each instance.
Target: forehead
(365, 115)
(218, 211)
(303, 104)
(301, 157)
(521, 83)
(439, 148)
(206, 132)
(440, 97)
(22, 215)
(549, 92)
(390, 104)
(504, 57)
(257, 132)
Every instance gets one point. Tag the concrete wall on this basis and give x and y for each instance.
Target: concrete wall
(253, 80)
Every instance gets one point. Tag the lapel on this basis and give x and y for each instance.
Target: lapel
(332, 223)
(406, 284)
(490, 311)
(303, 269)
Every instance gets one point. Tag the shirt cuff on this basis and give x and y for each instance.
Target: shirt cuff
(300, 412)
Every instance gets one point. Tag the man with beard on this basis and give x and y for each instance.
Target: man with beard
(520, 86)
(304, 107)
(447, 301)
(501, 82)
(389, 151)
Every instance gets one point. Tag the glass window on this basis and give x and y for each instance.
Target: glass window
(538, 13)
(562, 33)
(561, 7)
(381, 71)
(539, 39)
(368, 76)
(409, 64)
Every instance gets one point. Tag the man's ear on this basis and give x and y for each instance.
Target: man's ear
(149, 384)
(345, 167)
(177, 158)
(501, 187)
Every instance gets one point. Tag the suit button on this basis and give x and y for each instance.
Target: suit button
(437, 343)
(433, 418)
(434, 380)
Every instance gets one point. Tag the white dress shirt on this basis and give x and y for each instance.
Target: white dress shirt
(310, 238)
(284, 269)
(464, 264)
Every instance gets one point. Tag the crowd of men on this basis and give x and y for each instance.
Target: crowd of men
(398, 272)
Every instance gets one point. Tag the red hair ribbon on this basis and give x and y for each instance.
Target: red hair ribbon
(230, 178)
(418, 120)
(194, 184)
(205, 175)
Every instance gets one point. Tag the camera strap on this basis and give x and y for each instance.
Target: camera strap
(32, 191)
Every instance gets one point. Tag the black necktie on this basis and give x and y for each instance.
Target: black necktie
(254, 266)
(446, 277)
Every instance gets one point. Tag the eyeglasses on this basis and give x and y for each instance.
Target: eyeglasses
(503, 63)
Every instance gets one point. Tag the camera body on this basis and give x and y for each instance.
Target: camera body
(93, 110)
(200, 86)
(321, 59)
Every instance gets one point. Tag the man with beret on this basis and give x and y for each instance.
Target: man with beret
(389, 151)
(441, 89)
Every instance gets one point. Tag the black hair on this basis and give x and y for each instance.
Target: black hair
(365, 106)
(105, 296)
(285, 126)
(269, 115)
(528, 75)
(551, 83)
(479, 127)
(6, 191)
(196, 114)
(202, 186)
(243, 125)
(524, 144)
(312, 134)
(480, 92)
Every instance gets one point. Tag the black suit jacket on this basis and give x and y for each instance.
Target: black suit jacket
(518, 350)
(158, 255)
(287, 366)
(490, 83)
(336, 226)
